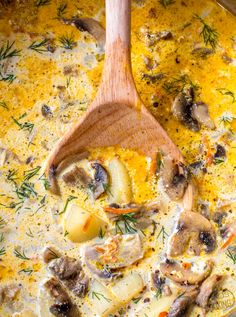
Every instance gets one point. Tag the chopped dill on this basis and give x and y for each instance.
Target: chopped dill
(227, 92)
(4, 105)
(101, 233)
(29, 233)
(177, 84)
(2, 237)
(7, 51)
(209, 34)
(66, 204)
(21, 255)
(26, 126)
(158, 293)
(11, 176)
(27, 271)
(2, 223)
(231, 256)
(25, 190)
(99, 296)
(2, 251)
(39, 47)
(163, 234)
(40, 3)
(61, 10)
(136, 300)
(218, 160)
(166, 3)
(227, 118)
(45, 181)
(9, 78)
(125, 223)
(67, 41)
(31, 173)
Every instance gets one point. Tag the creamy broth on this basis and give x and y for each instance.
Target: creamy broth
(63, 73)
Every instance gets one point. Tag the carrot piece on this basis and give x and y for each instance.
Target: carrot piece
(228, 241)
(163, 314)
(186, 265)
(120, 211)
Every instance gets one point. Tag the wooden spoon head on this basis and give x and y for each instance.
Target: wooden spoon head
(115, 124)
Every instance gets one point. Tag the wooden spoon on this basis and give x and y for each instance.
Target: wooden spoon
(117, 116)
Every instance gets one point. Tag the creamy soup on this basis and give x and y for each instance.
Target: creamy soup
(116, 240)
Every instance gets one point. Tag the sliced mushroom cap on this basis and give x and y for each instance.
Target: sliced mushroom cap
(194, 232)
(174, 177)
(69, 271)
(207, 289)
(49, 254)
(182, 109)
(115, 252)
(62, 306)
(182, 303)
(91, 26)
(179, 274)
(201, 114)
(96, 185)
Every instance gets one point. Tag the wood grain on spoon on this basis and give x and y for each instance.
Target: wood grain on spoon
(117, 116)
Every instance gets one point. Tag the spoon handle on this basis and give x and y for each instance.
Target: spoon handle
(117, 84)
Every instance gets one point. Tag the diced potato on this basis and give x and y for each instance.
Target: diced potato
(81, 225)
(128, 287)
(156, 306)
(120, 190)
(102, 301)
(44, 302)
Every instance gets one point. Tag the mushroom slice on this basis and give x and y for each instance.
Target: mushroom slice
(101, 179)
(182, 303)
(49, 254)
(182, 109)
(62, 306)
(116, 252)
(174, 177)
(91, 26)
(185, 276)
(194, 231)
(201, 114)
(69, 271)
(207, 289)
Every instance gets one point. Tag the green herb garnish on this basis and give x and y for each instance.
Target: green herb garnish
(61, 10)
(26, 126)
(20, 255)
(70, 198)
(40, 3)
(67, 41)
(39, 47)
(7, 51)
(2, 251)
(99, 296)
(209, 34)
(227, 92)
(126, 223)
(231, 256)
(166, 3)
(4, 105)
(163, 234)
(177, 84)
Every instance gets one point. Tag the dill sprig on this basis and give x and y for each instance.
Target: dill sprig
(99, 296)
(209, 34)
(29, 233)
(126, 223)
(31, 173)
(2, 251)
(70, 198)
(11, 175)
(166, 3)
(101, 233)
(177, 84)
(9, 78)
(40, 3)
(3, 104)
(163, 234)
(27, 271)
(67, 41)
(231, 256)
(21, 255)
(26, 190)
(45, 181)
(61, 10)
(27, 126)
(39, 46)
(136, 300)
(2, 223)
(7, 51)
(226, 118)
(2, 237)
(227, 92)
